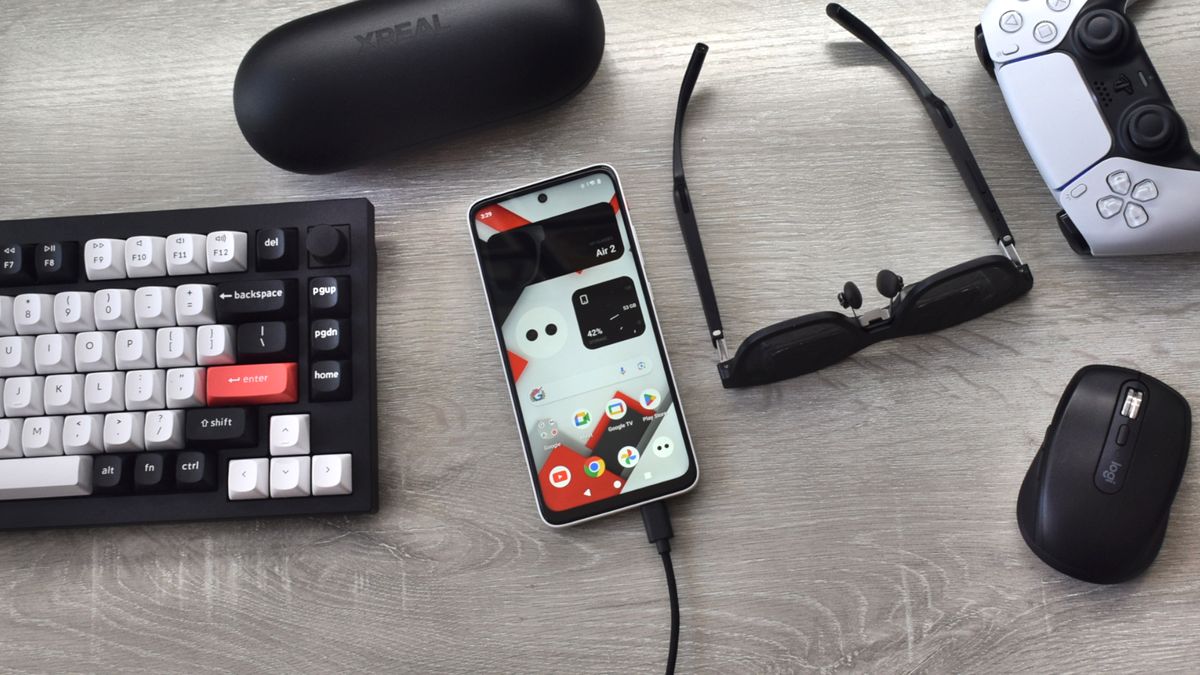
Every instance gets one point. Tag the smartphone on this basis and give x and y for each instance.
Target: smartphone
(587, 369)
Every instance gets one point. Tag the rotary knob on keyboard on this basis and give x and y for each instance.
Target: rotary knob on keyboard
(328, 246)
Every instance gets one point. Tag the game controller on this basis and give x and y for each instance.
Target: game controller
(1098, 123)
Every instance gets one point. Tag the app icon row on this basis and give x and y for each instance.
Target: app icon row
(628, 457)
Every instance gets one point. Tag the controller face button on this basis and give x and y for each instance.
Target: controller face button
(1102, 31)
(1058, 5)
(1145, 191)
(1136, 216)
(1120, 182)
(1045, 32)
(1109, 207)
(1151, 127)
(1011, 21)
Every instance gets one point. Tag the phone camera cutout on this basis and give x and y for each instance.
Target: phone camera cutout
(543, 198)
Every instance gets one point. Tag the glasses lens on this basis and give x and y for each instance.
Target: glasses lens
(795, 348)
(963, 293)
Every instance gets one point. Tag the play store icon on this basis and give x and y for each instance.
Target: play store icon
(651, 399)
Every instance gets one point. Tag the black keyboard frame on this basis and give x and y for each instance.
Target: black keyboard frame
(336, 427)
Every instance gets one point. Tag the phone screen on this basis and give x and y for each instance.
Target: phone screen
(590, 380)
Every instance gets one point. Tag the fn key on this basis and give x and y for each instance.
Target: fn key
(330, 381)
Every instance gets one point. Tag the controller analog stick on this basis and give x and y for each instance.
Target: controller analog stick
(1151, 127)
(1103, 31)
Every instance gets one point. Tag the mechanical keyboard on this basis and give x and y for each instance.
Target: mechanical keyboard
(188, 365)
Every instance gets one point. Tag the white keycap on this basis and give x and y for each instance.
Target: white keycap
(331, 475)
(194, 305)
(214, 345)
(289, 435)
(64, 394)
(83, 435)
(114, 309)
(125, 432)
(249, 479)
(74, 312)
(164, 430)
(154, 307)
(95, 352)
(146, 257)
(46, 478)
(104, 259)
(10, 439)
(16, 356)
(187, 388)
(33, 313)
(7, 325)
(290, 477)
(145, 389)
(226, 252)
(175, 347)
(42, 436)
(104, 392)
(135, 349)
(186, 254)
(54, 353)
(24, 397)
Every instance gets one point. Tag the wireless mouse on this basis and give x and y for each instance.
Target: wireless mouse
(1095, 502)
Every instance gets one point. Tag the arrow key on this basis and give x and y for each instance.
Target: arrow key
(248, 479)
(290, 477)
(289, 435)
(331, 475)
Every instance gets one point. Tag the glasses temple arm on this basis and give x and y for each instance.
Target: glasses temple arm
(687, 217)
(943, 119)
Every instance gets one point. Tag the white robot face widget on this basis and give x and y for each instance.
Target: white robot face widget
(541, 333)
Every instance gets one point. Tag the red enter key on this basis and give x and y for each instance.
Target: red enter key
(258, 384)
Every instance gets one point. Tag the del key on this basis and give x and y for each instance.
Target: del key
(245, 301)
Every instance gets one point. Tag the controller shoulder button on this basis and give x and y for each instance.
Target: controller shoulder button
(1072, 235)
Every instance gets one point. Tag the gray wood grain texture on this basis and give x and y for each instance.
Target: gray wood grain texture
(860, 519)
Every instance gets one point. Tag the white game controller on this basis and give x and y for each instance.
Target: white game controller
(1098, 123)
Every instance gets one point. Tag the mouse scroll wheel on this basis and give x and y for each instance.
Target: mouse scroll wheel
(1133, 404)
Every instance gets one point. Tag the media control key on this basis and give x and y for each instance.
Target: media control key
(245, 301)
(221, 428)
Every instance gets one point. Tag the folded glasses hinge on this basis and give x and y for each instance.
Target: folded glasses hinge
(1009, 248)
(718, 338)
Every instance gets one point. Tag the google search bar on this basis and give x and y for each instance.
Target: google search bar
(599, 378)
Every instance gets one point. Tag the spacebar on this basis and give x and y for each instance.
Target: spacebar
(45, 477)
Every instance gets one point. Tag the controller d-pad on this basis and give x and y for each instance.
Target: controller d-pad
(1110, 206)
(1145, 191)
(1136, 216)
(1103, 31)
(1120, 182)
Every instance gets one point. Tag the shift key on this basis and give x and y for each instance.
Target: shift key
(221, 428)
(246, 301)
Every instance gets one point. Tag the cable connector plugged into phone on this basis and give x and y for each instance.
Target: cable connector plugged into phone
(657, 520)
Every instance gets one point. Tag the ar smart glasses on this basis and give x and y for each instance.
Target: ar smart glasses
(810, 343)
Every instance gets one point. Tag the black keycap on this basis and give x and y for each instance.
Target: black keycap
(16, 264)
(239, 302)
(194, 471)
(329, 339)
(112, 474)
(329, 297)
(57, 262)
(330, 381)
(328, 246)
(220, 428)
(269, 342)
(276, 249)
(151, 472)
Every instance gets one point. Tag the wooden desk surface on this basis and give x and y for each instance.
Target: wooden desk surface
(860, 519)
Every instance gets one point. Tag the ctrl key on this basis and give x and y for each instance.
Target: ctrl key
(249, 479)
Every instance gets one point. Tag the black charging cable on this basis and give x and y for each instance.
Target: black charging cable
(658, 530)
